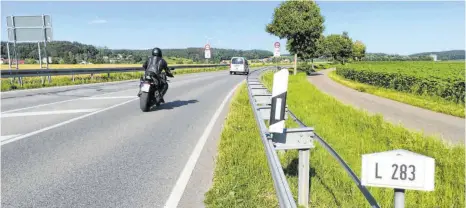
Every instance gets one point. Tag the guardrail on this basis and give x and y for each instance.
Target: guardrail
(7, 73)
(298, 138)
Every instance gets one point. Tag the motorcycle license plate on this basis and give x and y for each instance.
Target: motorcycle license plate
(145, 87)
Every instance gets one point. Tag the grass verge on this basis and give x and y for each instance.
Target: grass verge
(242, 177)
(423, 101)
(353, 132)
(35, 82)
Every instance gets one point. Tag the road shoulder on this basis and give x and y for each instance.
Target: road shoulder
(202, 176)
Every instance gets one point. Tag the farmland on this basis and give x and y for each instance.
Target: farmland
(433, 79)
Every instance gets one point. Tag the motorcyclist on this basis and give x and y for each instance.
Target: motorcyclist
(154, 67)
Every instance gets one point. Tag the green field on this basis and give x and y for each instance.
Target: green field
(435, 79)
(242, 178)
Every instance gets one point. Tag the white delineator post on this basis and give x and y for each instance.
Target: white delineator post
(277, 111)
(277, 127)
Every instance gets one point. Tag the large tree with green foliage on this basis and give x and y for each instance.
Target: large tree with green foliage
(339, 47)
(301, 23)
(359, 50)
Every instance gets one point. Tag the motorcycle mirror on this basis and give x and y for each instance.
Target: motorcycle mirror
(172, 69)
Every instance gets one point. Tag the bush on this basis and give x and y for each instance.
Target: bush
(440, 80)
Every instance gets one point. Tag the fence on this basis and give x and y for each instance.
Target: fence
(8, 73)
(303, 138)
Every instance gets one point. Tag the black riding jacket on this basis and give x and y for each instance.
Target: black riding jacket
(156, 65)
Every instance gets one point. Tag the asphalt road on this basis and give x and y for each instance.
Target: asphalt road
(449, 128)
(92, 146)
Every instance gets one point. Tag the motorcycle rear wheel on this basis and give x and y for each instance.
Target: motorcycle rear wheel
(144, 102)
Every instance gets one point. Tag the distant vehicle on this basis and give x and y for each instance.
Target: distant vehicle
(239, 65)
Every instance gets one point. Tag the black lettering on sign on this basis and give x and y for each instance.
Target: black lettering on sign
(377, 171)
(403, 172)
(394, 172)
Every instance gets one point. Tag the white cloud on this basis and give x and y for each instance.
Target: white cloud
(98, 21)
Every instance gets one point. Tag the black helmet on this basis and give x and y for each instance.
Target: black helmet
(157, 52)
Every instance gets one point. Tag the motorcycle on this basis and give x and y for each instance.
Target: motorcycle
(150, 92)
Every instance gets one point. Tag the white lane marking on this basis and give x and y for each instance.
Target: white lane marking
(6, 137)
(76, 99)
(178, 189)
(105, 98)
(38, 113)
(63, 123)
(63, 101)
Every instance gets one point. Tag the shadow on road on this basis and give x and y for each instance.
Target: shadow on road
(174, 104)
(311, 74)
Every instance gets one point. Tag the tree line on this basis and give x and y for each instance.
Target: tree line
(67, 52)
(302, 25)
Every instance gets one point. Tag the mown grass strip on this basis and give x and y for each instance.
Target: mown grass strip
(353, 132)
(242, 177)
(35, 82)
(423, 101)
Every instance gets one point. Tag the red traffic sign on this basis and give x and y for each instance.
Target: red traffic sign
(277, 45)
(207, 47)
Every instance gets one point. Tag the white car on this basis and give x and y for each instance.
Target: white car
(239, 65)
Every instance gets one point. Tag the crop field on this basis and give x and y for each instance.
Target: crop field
(436, 79)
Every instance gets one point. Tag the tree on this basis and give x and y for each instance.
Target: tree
(301, 23)
(339, 47)
(359, 50)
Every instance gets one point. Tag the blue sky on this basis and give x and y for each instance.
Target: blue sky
(388, 27)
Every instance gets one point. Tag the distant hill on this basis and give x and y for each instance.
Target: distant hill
(75, 52)
(444, 55)
(441, 55)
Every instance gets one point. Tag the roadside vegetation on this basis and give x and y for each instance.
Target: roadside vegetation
(435, 86)
(353, 132)
(241, 176)
(422, 101)
(35, 82)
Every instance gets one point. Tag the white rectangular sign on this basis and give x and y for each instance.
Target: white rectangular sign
(276, 52)
(207, 54)
(400, 169)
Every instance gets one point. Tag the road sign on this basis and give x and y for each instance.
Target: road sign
(29, 28)
(29, 21)
(399, 169)
(279, 91)
(207, 51)
(30, 34)
(276, 52)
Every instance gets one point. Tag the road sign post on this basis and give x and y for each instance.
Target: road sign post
(276, 52)
(207, 53)
(28, 29)
(398, 169)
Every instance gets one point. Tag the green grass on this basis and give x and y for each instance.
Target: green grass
(242, 177)
(424, 101)
(351, 133)
(35, 82)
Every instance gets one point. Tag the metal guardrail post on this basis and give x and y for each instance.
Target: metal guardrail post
(303, 177)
